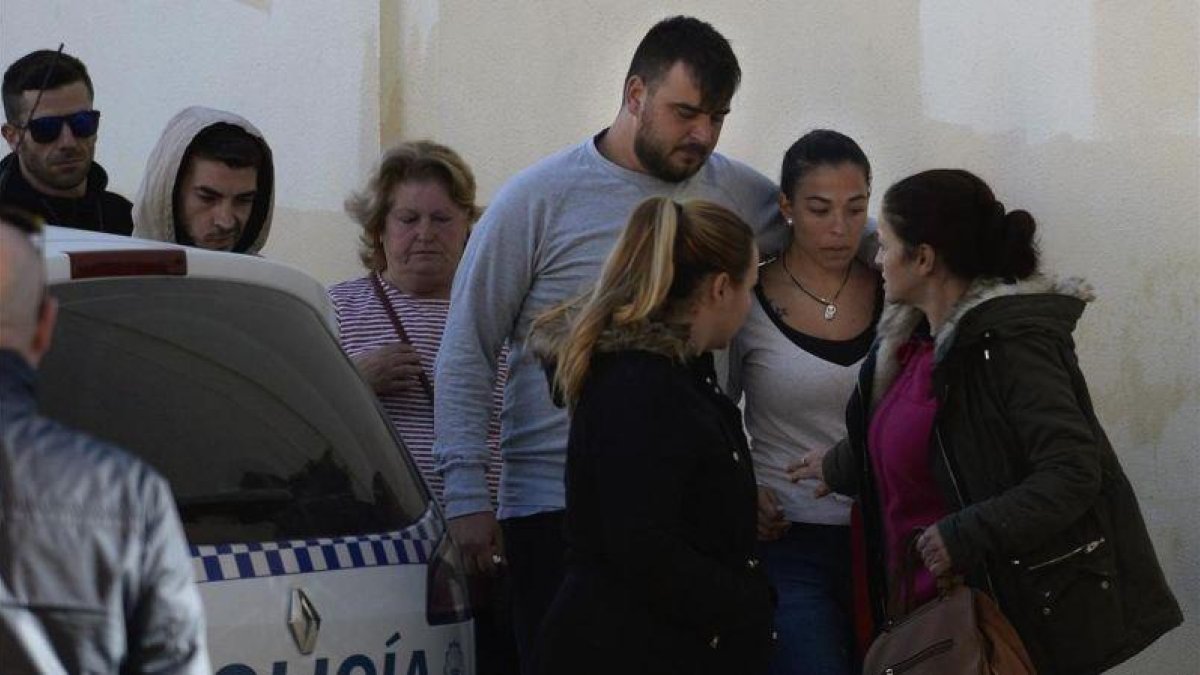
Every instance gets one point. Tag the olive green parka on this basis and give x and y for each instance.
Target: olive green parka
(1043, 517)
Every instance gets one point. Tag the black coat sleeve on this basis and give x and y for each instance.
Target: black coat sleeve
(1060, 448)
(842, 468)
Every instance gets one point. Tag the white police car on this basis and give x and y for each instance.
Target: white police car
(315, 544)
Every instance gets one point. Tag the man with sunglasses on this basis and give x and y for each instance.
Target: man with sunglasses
(51, 127)
(94, 569)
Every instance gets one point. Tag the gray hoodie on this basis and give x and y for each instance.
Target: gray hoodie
(153, 210)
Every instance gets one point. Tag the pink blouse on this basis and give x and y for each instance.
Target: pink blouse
(900, 439)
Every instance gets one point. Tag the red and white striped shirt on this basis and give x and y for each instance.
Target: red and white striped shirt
(364, 326)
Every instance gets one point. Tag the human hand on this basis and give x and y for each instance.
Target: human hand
(391, 368)
(934, 552)
(771, 523)
(808, 467)
(479, 537)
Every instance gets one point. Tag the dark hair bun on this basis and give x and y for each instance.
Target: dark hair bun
(1013, 253)
(957, 214)
(1019, 240)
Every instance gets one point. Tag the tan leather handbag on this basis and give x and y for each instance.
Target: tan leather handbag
(959, 632)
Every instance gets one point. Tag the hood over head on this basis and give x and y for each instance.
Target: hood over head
(154, 207)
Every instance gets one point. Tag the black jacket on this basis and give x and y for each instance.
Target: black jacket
(1044, 518)
(660, 518)
(97, 210)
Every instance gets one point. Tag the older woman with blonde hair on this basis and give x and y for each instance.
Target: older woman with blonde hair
(416, 213)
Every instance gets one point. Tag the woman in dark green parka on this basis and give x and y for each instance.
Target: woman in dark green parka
(972, 424)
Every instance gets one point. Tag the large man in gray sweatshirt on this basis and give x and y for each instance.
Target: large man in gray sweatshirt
(543, 240)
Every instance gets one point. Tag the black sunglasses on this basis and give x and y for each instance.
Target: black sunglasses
(47, 129)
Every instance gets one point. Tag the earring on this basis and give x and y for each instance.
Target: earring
(789, 221)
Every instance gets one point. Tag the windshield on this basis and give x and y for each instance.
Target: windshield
(237, 394)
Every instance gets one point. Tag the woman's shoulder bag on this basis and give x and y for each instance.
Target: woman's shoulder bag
(962, 631)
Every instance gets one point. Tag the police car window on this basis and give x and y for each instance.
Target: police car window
(240, 397)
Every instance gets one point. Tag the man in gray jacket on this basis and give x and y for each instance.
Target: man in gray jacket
(94, 569)
(543, 240)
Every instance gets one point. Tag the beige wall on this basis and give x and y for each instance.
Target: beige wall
(1085, 113)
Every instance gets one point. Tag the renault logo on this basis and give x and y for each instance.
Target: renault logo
(304, 621)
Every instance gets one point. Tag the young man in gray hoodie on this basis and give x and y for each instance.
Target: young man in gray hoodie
(209, 182)
(543, 240)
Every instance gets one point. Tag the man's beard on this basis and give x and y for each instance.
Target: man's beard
(46, 174)
(656, 159)
(226, 240)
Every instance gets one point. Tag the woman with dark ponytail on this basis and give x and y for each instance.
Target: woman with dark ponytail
(972, 433)
(660, 524)
(797, 360)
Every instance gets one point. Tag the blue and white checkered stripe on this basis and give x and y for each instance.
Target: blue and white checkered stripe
(225, 562)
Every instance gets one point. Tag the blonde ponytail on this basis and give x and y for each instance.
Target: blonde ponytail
(663, 253)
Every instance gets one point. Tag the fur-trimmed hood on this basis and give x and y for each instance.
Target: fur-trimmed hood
(670, 340)
(665, 339)
(1041, 302)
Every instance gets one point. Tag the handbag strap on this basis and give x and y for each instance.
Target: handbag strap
(902, 586)
(426, 385)
(902, 582)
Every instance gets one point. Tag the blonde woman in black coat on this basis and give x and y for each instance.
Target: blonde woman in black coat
(661, 511)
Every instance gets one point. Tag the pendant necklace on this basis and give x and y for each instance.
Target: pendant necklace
(830, 303)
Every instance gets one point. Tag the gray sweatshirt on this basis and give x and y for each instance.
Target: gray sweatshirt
(541, 241)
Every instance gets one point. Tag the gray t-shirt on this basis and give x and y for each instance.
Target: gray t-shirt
(541, 241)
(795, 402)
